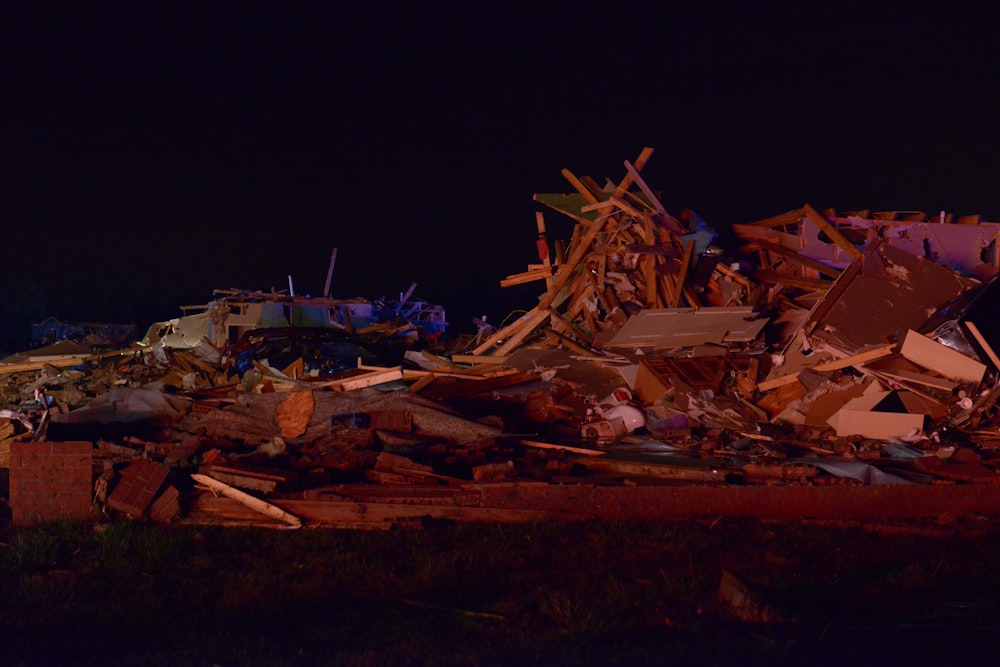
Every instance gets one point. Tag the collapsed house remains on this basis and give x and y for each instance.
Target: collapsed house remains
(835, 364)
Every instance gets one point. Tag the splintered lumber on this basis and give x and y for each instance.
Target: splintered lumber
(827, 227)
(369, 379)
(253, 503)
(792, 256)
(264, 480)
(987, 348)
(853, 360)
(537, 444)
(6, 369)
(637, 166)
(678, 289)
(529, 326)
(510, 329)
(529, 276)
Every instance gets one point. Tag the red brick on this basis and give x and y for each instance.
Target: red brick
(49, 480)
(166, 507)
(137, 488)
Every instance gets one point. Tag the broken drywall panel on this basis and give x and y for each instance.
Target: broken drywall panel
(858, 418)
(664, 328)
(890, 291)
(968, 249)
(939, 358)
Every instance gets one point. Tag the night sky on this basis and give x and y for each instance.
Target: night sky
(153, 152)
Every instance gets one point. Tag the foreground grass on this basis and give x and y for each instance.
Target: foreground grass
(548, 594)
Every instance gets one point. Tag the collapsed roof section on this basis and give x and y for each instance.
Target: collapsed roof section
(232, 313)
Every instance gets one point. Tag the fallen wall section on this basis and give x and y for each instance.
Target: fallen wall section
(49, 480)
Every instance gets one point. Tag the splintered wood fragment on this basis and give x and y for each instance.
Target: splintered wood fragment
(253, 503)
(506, 331)
(827, 228)
(579, 186)
(836, 364)
(567, 269)
(910, 377)
(527, 277)
(558, 339)
(538, 444)
(646, 190)
(612, 203)
(637, 166)
(598, 206)
(370, 379)
(682, 275)
(194, 362)
(987, 348)
(421, 383)
(515, 340)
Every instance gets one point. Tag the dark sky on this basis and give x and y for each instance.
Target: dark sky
(156, 151)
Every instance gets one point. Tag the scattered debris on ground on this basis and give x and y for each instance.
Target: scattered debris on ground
(835, 365)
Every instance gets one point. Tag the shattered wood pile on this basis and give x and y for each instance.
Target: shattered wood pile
(833, 366)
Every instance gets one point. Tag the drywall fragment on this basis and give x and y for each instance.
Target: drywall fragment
(937, 357)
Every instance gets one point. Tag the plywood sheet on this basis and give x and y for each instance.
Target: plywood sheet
(663, 328)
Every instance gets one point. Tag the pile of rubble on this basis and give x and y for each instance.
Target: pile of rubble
(657, 373)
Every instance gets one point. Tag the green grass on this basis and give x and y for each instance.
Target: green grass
(547, 594)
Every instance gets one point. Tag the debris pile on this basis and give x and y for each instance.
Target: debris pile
(657, 374)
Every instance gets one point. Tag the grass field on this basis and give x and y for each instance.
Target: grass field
(546, 594)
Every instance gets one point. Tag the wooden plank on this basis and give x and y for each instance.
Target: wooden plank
(987, 348)
(253, 503)
(933, 381)
(637, 166)
(856, 359)
(506, 331)
(579, 186)
(853, 360)
(793, 256)
(6, 369)
(527, 277)
(538, 444)
(831, 231)
(566, 270)
(369, 379)
(516, 339)
(682, 275)
(422, 383)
